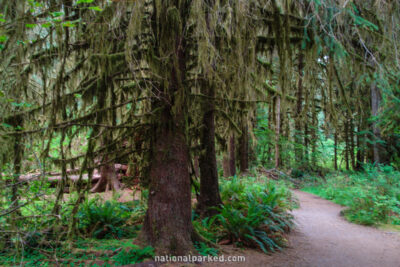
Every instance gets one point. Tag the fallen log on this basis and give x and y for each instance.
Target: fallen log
(54, 179)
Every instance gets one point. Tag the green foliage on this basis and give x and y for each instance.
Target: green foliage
(106, 219)
(133, 255)
(206, 228)
(264, 136)
(253, 214)
(372, 197)
(84, 252)
(205, 250)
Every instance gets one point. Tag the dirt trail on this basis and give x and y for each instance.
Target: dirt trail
(324, 239)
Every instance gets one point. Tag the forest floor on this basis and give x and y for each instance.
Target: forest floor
(324, 238)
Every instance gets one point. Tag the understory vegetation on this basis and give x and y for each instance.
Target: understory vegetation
(131, 129)
(372, 197)
(254, 214)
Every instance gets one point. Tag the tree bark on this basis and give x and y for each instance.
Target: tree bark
(346, 149)
(335, 151)
(18, 152)
(277, 130)
(352, 145)
(271, 118)
(225, 165)
(244, 148)
(314, 136)
(108, 178)
(168, 225)
(375, 102)
(306, 143)
(209, 188)
(299, 107)
(232, 155)
(168, 221)
(359, 155)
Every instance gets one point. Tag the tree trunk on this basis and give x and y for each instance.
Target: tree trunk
(299, 106)
(209, 188)
(360, 144)
(346, 149)
(18, 151)
(196, 166)
(277, 130)
(225, 165)
(271, 116)
(108, 178)
(335, 151)
(244, 148)
(168, 221)
(352, 145)
(314, 136)
(375, 102)
(108, 174)
(306, 143)
(232, 155)
(359, 155)
(168, 225)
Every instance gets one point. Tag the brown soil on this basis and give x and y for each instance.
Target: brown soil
(323, 238)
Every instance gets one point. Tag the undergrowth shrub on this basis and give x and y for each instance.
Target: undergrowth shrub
(108, 219)
(204, 250)
(133, 255)
(254, 214)
(372, 196)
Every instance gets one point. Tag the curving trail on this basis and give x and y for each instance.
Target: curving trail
(324, 239)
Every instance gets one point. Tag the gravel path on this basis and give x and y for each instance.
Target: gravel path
(324, 239)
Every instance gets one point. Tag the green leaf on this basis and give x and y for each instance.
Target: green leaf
(23, 104)
(96, 8)
(57, 14)
(47, 25)
(30, 25)
(6, 125)
(3, 38)
(84, 2)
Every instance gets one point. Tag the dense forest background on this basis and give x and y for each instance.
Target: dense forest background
(170, 96)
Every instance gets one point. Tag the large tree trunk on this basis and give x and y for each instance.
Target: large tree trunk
(168, 224)
(209, 188)
(168, 221)
(299, 107)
